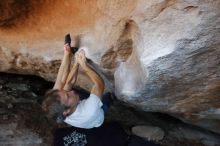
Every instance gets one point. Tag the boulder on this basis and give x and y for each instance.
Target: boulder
(157, 55)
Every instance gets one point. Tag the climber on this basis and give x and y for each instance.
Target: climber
(82, 110)
(68, 104)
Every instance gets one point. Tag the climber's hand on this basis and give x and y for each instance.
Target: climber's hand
(81, 57)
(67, 48)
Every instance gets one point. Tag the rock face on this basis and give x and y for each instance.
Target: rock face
(148, 132)
(158, 55)
(22, 121)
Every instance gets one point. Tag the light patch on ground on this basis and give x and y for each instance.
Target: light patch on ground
(10, 134)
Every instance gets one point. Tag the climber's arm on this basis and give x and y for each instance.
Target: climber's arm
(98, 87)
(72, 76)
(64, 68)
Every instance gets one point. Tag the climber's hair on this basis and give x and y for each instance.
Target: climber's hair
(52, 107)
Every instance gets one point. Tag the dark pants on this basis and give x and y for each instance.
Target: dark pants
(109, 134)
(107, 102)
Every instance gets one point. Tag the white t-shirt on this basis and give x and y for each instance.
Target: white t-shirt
(88, 113)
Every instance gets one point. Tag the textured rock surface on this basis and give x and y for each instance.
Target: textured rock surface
(22, 121)
(160, 55)
(148, 132)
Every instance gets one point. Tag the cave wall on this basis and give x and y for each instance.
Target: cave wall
(157, 55)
